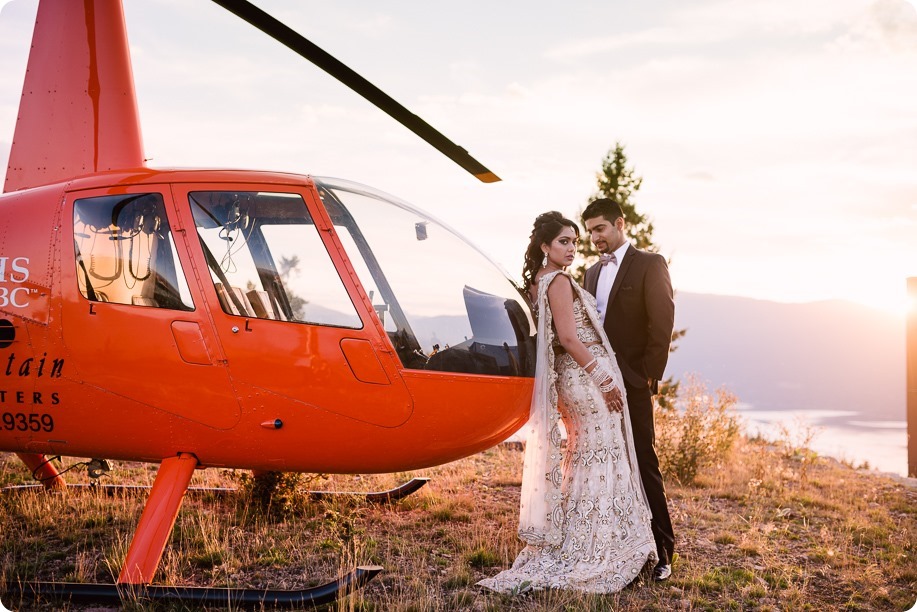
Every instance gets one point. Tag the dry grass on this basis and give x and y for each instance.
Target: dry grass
(752, 535)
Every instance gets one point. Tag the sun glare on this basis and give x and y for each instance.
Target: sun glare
(894, 298)
(910, 299)
(897, 303)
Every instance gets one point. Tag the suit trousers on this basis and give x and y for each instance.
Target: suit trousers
(640, 404)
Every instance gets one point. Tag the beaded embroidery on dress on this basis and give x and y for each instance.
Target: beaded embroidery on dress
(583, 512)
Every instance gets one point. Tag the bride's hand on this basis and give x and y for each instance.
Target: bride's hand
(610, 391)
(614, 400)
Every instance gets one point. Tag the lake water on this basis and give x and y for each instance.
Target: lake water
(844, 435)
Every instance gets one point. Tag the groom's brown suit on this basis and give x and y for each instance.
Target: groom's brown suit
(638, 321)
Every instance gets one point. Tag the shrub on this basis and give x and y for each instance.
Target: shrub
(795, 441)
(272, 495)
(696, 431)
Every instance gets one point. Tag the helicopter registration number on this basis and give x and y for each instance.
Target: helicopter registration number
(32, 421)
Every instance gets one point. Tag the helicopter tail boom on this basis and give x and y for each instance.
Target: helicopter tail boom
(78, 112)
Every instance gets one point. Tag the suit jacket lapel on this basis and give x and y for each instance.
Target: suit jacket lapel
(591, 279)
(622, 270)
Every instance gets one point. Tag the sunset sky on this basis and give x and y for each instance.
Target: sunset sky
(777, 139)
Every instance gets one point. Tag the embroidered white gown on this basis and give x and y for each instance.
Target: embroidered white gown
(583, 513)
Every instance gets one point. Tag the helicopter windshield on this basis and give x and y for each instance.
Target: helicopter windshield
(444, 304)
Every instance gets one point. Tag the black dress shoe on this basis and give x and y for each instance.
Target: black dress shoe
(662, 572)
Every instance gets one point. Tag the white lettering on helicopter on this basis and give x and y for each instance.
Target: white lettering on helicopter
(17, 297)
(15, 268)
(26, 366)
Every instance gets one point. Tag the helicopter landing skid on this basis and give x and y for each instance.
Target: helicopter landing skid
(399, 492)
(112, 490)
(146, 549)
(378, 497)
(117, 593)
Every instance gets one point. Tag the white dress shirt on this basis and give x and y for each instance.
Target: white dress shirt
(607, 279)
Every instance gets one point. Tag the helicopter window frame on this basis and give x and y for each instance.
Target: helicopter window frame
(127, 217)
(403, 339)
(246, 219)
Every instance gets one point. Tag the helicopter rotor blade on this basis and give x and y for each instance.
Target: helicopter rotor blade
(307, 49)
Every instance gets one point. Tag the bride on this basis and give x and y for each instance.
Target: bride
(583, 514)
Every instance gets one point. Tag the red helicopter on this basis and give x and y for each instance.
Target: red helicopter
(228, 318)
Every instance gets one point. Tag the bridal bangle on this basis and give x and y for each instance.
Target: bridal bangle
(601, 377)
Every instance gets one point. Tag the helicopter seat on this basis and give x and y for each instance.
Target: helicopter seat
(493, 347)
(139, 300)
(261, 304)
(231, 298)
(241, 299)
(492, 329)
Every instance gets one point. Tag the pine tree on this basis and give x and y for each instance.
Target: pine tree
(616, 181)
(619, 182)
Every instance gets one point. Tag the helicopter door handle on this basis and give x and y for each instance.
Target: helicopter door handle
(363, 361)
(189, 340)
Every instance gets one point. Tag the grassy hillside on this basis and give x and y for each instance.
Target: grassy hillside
(766, 530)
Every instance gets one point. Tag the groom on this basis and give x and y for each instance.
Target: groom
(634, 298)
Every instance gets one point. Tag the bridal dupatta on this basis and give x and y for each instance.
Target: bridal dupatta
(541, 515)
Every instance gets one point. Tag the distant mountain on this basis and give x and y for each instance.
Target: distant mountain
(830, 355)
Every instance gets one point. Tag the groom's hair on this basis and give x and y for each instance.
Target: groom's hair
(602, 207)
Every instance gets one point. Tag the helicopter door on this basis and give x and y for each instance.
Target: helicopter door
(131, 322)
(293, 336)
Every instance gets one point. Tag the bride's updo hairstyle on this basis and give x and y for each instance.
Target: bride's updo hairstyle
(546, 228)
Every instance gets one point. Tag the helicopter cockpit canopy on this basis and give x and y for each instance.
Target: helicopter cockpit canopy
(442, 303)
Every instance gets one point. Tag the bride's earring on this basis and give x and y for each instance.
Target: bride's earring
(544, 262)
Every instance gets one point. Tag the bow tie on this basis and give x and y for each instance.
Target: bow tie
(606, 258)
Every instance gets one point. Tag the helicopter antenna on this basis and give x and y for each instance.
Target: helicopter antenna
(321, 58)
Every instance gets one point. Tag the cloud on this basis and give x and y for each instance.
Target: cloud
(374, 25)
(787, 17)
(707, 26)
(880, 27)
(650, 37)
(892, 23)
